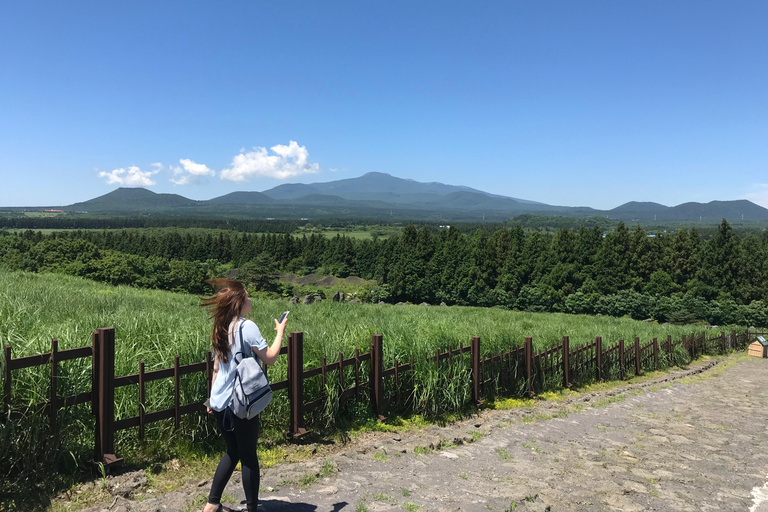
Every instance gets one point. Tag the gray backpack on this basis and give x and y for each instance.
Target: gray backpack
(252, 392)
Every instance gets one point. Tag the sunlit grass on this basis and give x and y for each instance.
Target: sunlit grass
(153, 326)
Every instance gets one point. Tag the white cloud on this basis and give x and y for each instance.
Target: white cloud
(190, 172)
(759, 194)
(195, 168)
(158, 166)
(287, 162)
(184, 180)
(131, 177)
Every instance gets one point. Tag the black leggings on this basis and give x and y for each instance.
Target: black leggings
(241, 447)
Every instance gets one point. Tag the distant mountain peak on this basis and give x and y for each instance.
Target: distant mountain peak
(377, 192)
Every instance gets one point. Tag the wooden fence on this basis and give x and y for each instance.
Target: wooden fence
(511, 371)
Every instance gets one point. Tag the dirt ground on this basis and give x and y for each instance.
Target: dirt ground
(691, 440)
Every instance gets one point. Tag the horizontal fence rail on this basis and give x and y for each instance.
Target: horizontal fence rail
(511, 371)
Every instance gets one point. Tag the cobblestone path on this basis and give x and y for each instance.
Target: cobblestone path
(682, 444)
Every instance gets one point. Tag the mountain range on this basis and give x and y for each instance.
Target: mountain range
(382, 195)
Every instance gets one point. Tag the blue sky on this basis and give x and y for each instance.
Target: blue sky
(591, 103)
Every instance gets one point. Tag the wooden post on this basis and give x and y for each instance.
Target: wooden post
(638, 369)
(529, 366)
(655, 354)
(142, 398)
(669, 344)
(357, 373)
(106, 391)
(377, 376)
(323, 389)
(176, 393)
(722, 342)
(621, 359)
(296, 383)
(476, 376)
(566, 362)
(599, 354)
(7, 380)
(95, 382)
(208, 372)
(54, 403)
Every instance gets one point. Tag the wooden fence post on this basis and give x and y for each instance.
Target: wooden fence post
(476, 377)
(296, 383)
(95, 379)
(655, 354)
(566, 362)
(54, 403)
(638, 369)
(142, 398)
(599, 353)
(377, 377)
(106, 397)
(693, 346)
(7, 380)
(722, 342)
(529, 366)
(621, 359)
(176, 393)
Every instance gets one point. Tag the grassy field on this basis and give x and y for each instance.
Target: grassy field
(153, 326)
(40, 214)
(358, 232)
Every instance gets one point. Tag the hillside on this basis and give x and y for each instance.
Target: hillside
(243, 198)
(126, 199)
(380, 195)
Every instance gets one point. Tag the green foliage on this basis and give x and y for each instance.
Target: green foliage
(620, 272)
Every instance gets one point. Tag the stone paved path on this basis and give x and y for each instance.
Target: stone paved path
(681, 445)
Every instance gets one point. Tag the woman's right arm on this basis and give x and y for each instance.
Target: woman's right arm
(269, 354)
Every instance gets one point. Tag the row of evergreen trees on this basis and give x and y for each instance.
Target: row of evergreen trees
(569, 270)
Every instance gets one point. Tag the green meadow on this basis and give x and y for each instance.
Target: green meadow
(153, 326)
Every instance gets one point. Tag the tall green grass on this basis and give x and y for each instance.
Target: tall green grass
(153, 326)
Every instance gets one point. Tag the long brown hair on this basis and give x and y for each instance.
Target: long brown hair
(224, 306)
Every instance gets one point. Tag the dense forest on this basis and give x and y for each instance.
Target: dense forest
(679, 277)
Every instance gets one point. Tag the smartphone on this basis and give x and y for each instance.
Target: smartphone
(283, 317)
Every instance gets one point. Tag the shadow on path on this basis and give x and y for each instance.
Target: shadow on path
(280, 506)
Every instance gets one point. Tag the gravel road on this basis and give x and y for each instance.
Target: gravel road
(691, 440)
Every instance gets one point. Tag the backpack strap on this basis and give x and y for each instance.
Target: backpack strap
(242, 346)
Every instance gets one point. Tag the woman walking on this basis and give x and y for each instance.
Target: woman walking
(228, 309)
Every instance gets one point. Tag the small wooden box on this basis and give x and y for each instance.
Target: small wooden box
(759, 347)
